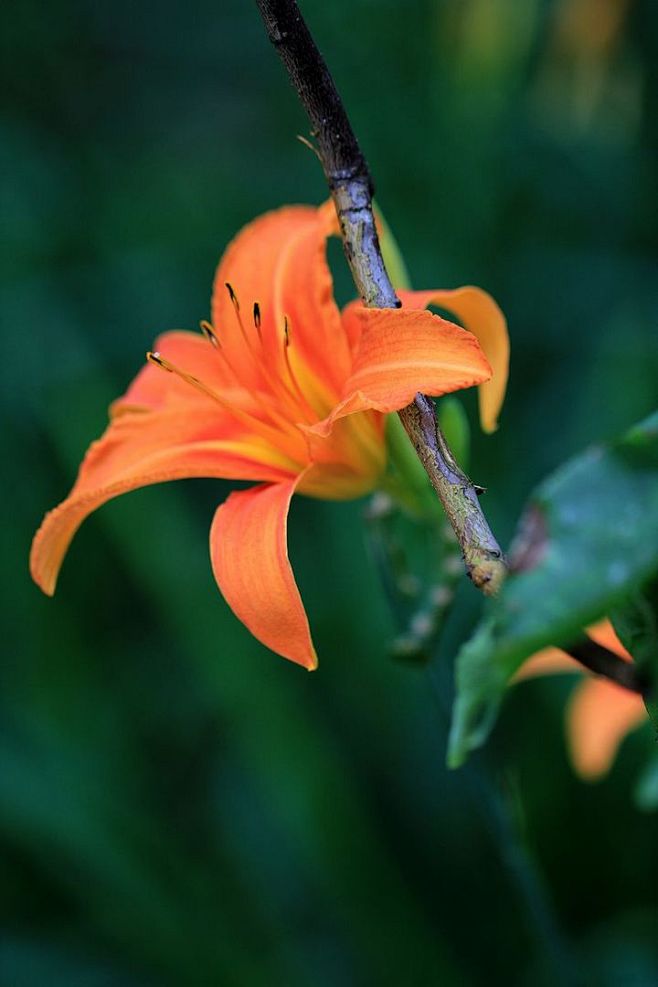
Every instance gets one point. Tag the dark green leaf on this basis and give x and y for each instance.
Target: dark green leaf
(646, 789)
(587, 540)
(454, 422)
(636, 624)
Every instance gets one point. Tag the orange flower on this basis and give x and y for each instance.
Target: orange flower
(285, 391)
(600, 712)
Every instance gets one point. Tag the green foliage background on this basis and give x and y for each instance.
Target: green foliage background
(177, 806)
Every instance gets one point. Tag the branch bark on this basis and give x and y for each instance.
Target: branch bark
(351, 188)
(601, 661)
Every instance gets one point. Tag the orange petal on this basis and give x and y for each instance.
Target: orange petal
(401, 352)
(141, 448)
(248, 549)
(552, 660)
(604, 634)
(600, 715)
(279, 261)
(154, 388)
(480, 314)
(549, 661)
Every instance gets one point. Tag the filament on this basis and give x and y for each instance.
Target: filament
(268, 432)
(310, 410)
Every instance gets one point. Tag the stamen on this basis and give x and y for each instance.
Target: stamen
(209, 333)
(271, 412)
(236, 307)
(214, 339)
(270, 383)
(158, 361)
(269, 432)
(299, 394)
(232, 295)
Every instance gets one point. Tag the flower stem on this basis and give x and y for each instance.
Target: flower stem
(601, 661)
(351, 188)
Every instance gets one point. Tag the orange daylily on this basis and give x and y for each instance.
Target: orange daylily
(601, 713)
(286, 391)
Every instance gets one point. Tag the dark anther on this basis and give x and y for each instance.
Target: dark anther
(208, 332)
(158, 361)
(232, 295)
(257, 315)
(286, 332)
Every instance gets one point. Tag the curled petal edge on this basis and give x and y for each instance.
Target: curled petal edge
(482, 316)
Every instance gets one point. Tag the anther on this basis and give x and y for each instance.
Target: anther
(158, 361)
(232, 295)
(257, 315)
(263, 428)
(298, 393)
(209, 333)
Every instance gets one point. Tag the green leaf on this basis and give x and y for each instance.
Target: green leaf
(420, 567)
(636, 624)
(392, 255)
(646, 789)
(587, 540)
(454, 424)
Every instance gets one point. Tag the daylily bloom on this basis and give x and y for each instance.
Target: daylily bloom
(284, 390)
(600, 712)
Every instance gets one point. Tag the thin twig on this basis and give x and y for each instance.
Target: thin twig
(606, 663)
(351, 188)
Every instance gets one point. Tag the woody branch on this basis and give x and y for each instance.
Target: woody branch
(351, 188)
(608, 665)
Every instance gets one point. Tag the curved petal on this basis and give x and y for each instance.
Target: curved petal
(480, 314)
(600, 715)
(279, 261)
(249, 554)
(549, 661)
(604, 634)
(552, 661)
(154, 388)
(141, 448)
(401, 352)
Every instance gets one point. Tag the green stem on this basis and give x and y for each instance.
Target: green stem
(405, 479)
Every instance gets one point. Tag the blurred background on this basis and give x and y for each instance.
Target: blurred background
(177, 805)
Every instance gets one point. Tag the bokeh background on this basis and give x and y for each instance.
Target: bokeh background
(177, 805)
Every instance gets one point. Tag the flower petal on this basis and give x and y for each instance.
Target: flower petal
(154, 388)
(604, 634)
(401, 352)
(549, 661)
(141, 448)
(600, 715)
(480, 314)
(279, 261)
(552, 661)
(248, 550)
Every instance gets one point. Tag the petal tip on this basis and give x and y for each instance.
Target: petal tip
(313, 665)
(43, 570)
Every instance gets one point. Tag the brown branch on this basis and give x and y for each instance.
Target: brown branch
(599, 660)
(351, 188)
